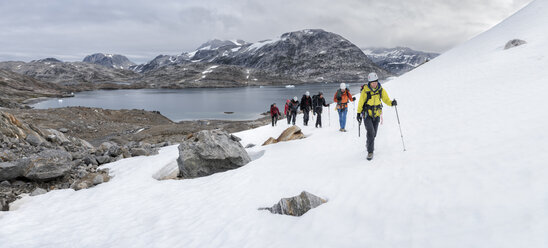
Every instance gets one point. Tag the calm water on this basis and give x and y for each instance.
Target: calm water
(193, 104)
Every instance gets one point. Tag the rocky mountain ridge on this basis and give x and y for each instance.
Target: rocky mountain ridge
(68, 73)
(116, 61)
(307, 55)
(398, 60)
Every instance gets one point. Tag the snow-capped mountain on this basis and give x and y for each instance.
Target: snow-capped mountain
(109, 60)
(308, 55)
(398, 60)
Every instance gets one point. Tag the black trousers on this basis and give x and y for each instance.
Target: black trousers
(288, 117)
(293, 116)
(371, 126)
(318, 119)
(306, 115)
(274, 120)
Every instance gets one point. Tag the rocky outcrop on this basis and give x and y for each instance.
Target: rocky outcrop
(398, 60)
(291, 133)
(208, 152)
(32, 157)
(17, 88)
(109, 60)
(514, 43)
(297, 205)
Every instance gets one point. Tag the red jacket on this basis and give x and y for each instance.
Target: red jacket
(274, 111)
(286, 110)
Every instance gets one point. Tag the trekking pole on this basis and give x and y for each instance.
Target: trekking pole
(329, 114)
(359, 127)
(398, 116)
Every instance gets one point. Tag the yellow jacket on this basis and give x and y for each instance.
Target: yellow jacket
(374, 102)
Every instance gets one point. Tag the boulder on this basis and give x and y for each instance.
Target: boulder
(56, 137)
(270, 141)
(47, 165)
(297, 205)
(98, 179)
(90, 180)
(7, 155)
(138, 152)
(514, 43)
(103, 159)
(169, 171)
(12, 170)
(4, 205)
(114, 151)
(208, 152)
(34, 139)
(291, 133)
(38, 191)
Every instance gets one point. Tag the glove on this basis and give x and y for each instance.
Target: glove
(353, 98)
(394, 103)
(339, 99)
(359, 117)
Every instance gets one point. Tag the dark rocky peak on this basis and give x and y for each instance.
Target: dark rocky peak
(48, 60)
(216, 43)
(109, 60)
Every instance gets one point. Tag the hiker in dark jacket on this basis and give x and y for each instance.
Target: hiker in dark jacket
(294, 107)
(274, 113)
(318, 102)
(306, 106)
(287, 111)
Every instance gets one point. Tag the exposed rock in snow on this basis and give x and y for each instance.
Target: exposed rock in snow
(47, 165)
(170, 171)
(291, 133)
(38, 191)
(210, 151)
(297, 205)
(514, 43)
(90, 180)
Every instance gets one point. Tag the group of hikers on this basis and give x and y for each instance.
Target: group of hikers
(306, 105)
(369, 108)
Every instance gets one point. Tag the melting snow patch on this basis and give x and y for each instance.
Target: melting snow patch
(209, 70)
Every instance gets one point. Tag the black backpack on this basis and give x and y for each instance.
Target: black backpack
(315, 100)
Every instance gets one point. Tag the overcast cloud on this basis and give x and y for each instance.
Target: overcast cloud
(69, 30)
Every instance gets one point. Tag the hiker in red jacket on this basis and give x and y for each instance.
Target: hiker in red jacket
(274, 113)
(287, 112)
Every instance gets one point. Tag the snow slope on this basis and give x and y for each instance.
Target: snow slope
(474, 173)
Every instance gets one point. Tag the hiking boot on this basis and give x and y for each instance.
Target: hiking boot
(370, 156)
(343, 130)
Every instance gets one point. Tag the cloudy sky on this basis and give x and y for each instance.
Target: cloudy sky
(139, 29)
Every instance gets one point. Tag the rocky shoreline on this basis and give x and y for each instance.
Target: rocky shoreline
(48, 149)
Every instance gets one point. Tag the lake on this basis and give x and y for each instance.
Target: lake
(246, 103)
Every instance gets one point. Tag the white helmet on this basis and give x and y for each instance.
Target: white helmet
(372, 77)
(307, 93)
(295, 98)
(343, 86)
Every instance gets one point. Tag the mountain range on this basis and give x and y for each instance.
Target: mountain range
(398, 60)
(311, 55)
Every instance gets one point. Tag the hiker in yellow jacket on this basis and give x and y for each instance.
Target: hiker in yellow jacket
(370, 108)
